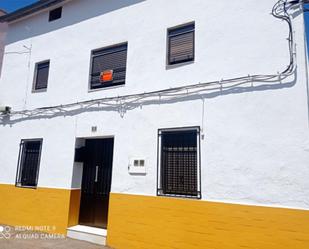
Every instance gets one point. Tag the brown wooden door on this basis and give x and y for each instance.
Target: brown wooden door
(96, 182)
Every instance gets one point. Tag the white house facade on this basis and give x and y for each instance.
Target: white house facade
(171, 124)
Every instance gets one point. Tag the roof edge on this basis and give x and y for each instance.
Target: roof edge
(29, 10)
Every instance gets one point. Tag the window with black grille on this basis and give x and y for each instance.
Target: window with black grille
(41, 76)
(55, 14)
(181, 44)
(29, 163)
(178, 169)
(108, 66)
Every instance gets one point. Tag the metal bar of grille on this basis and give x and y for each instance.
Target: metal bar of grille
(104, 184)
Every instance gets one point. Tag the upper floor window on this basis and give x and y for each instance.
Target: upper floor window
(108, 66)
(28, 163)
(41, 76)
(181, 44)
(55, 14)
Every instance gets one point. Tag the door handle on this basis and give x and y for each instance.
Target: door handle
(96, 173)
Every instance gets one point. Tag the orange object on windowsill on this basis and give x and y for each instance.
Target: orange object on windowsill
(106, 76)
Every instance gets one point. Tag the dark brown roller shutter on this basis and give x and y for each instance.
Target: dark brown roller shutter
(181, 44)
(112, 58)
(42, 72)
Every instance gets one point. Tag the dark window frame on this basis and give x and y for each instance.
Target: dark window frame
(35, 87)
(169, 36)
(20, 162)
(55, 14)
(160, 191)
(101, 51)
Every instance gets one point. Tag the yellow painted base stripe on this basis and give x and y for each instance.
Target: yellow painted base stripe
(38, 207)
(74, 207)
(159, 222)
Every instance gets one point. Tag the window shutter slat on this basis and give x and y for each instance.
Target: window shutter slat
(110, 61)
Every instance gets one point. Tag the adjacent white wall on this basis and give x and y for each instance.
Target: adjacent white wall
(256, 144)
(3, 30)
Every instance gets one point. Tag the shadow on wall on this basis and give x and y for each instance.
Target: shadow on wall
(122, 109)
(79, 11)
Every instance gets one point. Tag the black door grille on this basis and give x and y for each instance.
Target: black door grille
(29, 160)
(96, 182)
(179, 163)
(99, 153)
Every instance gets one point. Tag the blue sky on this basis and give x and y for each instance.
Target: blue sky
(11, 5)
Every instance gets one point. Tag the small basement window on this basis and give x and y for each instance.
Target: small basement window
(179, 163)
(181, 44)
(108, 66)
(55, 14)
(28, 163)
(41, 76)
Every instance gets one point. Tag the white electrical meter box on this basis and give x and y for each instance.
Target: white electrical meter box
(137, 166)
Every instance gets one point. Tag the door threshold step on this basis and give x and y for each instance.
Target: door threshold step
(90, 234)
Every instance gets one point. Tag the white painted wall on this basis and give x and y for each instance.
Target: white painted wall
(256, 145)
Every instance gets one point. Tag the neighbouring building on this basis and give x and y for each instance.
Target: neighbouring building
(157, 124)
(3, 29)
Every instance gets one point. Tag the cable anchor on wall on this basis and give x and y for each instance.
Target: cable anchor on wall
(279, 77)
(221, 84)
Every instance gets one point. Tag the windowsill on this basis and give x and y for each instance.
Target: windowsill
(198, 197)
(28, 187)
(176, 65)
(39, 91)
(54, 20)
(105, 88)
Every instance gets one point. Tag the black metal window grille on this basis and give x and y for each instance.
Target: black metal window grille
(29, 163)
(112, 58)
(181, 44)
(41, 76)
(179, 163)
(55, 14)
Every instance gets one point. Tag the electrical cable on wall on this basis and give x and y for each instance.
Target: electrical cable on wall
(280, 11)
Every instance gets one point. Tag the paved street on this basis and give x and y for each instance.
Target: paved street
(34, 240)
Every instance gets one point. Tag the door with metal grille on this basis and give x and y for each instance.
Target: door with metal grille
(96, 182)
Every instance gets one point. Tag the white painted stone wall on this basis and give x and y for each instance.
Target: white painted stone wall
(256, 144)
